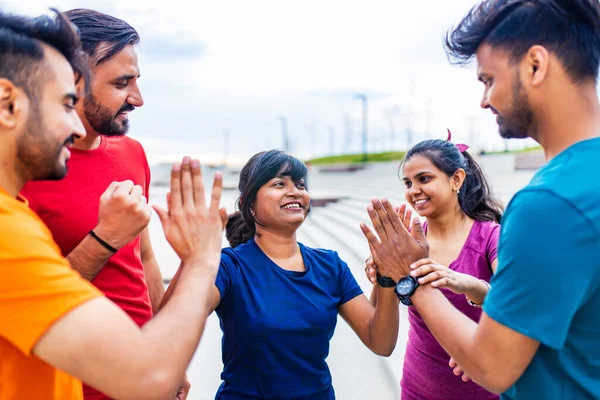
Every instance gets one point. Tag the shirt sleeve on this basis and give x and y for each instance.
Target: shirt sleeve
(546, 251)
(491, 250)
(224, 275)
(37, 285)
(147, 173)
(349, 288)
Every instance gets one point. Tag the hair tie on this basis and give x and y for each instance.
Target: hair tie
(461, 147)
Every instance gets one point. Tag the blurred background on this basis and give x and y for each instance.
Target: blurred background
(230, 78)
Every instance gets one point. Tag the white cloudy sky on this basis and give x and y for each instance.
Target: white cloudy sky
(214, 66)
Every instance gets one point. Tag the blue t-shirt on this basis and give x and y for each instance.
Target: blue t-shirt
(547, 285)
(277, 324)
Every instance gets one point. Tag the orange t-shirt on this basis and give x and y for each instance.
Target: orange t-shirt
(37, 287)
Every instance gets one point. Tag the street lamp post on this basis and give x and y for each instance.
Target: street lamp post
(226, 147)
(363, 98)
(284, 134)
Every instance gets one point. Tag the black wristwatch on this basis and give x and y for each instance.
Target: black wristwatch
(385, 281)
(405, 288)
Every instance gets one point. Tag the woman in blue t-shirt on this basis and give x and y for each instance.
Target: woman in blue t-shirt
(278, 300)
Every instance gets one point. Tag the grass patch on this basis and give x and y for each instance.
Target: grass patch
(525, 150)
(390, 156)
(357, 158)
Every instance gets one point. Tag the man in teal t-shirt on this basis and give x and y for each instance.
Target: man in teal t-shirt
(539, 334)
(548, 282)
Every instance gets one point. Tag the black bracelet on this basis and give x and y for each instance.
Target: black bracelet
(103, 243)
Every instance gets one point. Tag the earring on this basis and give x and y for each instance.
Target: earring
(252, 212)
(457, 191)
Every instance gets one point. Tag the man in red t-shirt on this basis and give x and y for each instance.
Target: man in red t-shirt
(93, 213)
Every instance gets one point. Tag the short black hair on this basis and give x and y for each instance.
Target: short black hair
(570, 29)
(22, 53)
(96, 28)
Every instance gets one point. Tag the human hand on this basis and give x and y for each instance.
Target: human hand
(123, 213)
(193, 228)
(405, 216)
(457, 370)
(396, 248)
(428, 271)
(184, 389)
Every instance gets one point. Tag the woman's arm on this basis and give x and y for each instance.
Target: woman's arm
(375, 325)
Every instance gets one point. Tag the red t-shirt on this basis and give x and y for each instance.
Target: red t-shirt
(69, 207)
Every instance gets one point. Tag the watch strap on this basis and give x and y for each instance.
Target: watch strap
(385, 281)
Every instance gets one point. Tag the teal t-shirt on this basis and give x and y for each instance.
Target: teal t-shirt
(547, 285)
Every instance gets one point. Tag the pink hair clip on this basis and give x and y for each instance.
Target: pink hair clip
(461, 147)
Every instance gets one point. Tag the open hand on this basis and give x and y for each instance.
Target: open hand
(396, 248)
(193, 228)
(405, 216)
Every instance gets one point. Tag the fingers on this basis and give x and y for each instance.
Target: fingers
(421, 262)
(426, 269)
(370, 270)
(217, 190)
(175, 193)
(407, 219)
(417, 230)
(371, 238)
(394, 219)
(197, 183)
(137, 193)
(187, 189)
(224, 216)
(444, 282)
(386, 227)
(111, 188)
(371, 275)
(431, 276)
(401, 210)
(124, 188)
(163, 214)
(376, 221)
(457, 370)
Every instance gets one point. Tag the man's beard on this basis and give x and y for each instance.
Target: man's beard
(519, 121)
(37, 154)
(102, 119)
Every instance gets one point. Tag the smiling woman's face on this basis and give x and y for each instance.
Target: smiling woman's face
(282, 202)
(428, 190)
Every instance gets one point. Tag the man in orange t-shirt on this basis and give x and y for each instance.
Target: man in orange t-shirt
(56, 329)
(37, 287)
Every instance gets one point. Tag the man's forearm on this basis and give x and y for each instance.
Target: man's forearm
(186, 310)
(89, 257)
(383, 330)
(452, 329)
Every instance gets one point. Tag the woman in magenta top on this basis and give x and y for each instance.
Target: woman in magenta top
(448, 188)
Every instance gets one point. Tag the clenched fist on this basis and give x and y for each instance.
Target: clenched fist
(124, 213)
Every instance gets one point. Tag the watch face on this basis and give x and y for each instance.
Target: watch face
(405, 286)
